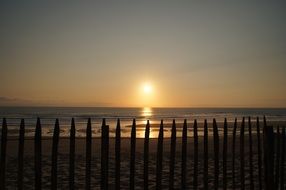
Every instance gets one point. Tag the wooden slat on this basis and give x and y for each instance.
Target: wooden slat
(216, 154)
(184, 156)
(159, 158)
(233, 153)
(282, 160)
(54, 171)
(132, 155)
(103, 155)
(196, 148)
(3, 154)
(88, 155)
(250, 154)
(242, 174)
(117, 155)
(146, 156)
(268, 144)
(21, 155)
(224, 156)
(38, 155)
(259, 152)
(206, 156)
(277, 161)
(72, 155)
(172, 156)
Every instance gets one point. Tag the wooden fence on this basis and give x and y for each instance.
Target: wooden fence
(270, 154)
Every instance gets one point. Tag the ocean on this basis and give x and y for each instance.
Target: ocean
(48, 116)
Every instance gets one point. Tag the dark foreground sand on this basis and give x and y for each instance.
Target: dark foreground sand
(63, 163)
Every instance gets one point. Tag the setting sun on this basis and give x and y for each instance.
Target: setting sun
(147, 88)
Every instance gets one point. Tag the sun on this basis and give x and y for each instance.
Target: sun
(147, 88)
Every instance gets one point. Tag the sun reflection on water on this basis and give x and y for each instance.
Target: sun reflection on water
(146, 112)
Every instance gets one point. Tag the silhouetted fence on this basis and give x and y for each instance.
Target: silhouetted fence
(270, 156)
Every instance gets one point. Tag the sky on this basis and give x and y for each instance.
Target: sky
(105, 53)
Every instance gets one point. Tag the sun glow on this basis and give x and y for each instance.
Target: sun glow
(147, 88)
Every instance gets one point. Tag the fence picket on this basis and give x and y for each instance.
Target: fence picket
(282, 160)
(132, 155)
(38, 155)
(233, 152)
(3, 154)
(172, 156)
(250, 154)
(88, 155)
(159, 157)
(224, 161)
(72, 155)
(259, 154)
(242, 175)
(21, 155)
(196, 148)
(54, 172)
(117, 155)
(184, 156)
(206, 156)
(277, 161)
(216, 154)
(146, 155)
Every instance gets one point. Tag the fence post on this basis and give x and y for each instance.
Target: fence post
(259, 154)
(268, 157)
(117, 155)
(224, 161)
(38, 155)
(132, 154)
(206, 155)
(172, 156)
(55, 156)
(184, 155)
(21, 154)
(159, 157)
(196, 147)
(216, 154)
(104, 154)
(233, 153)
(3, 154)
(282, 160)
(88, 155)
(250, 154)
(242, 178)
(146, 155)
(277, 161)
(72, 155)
